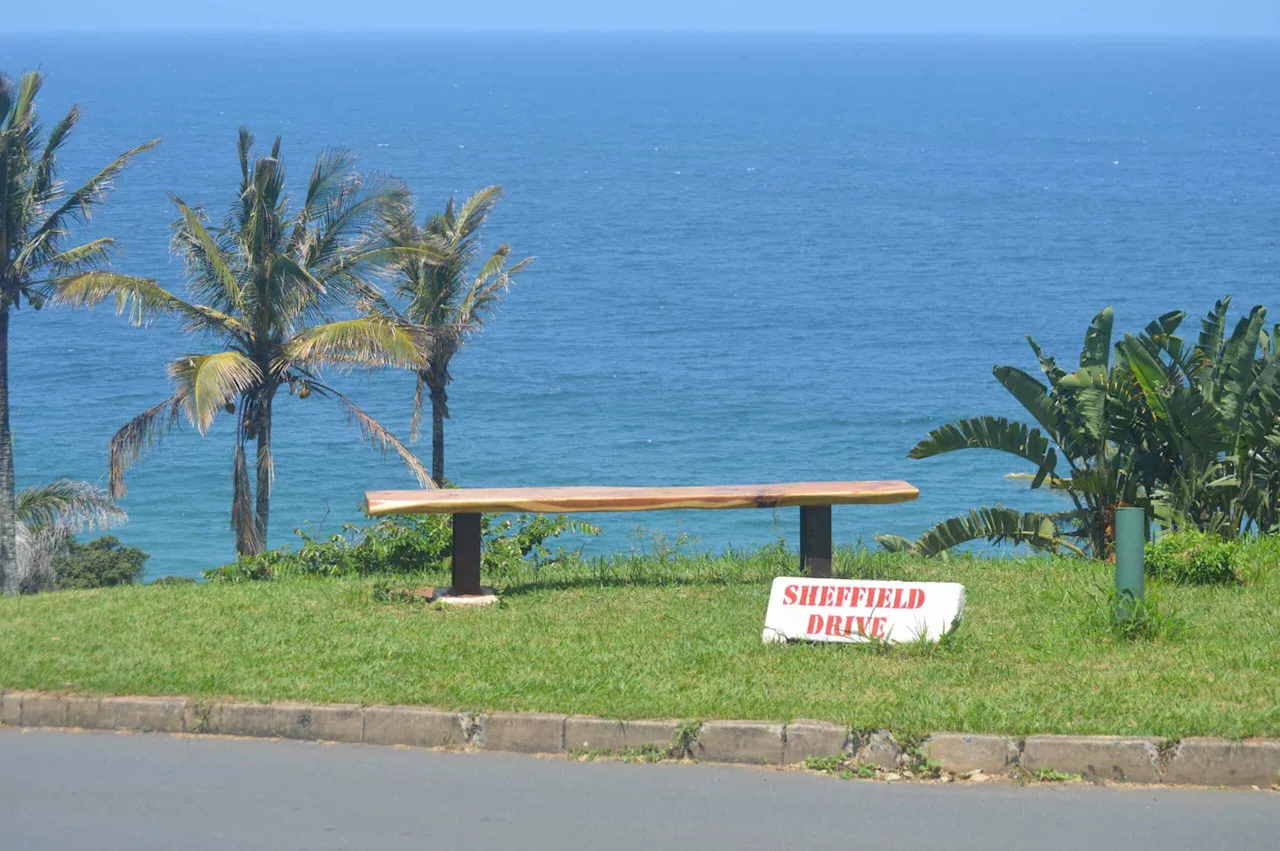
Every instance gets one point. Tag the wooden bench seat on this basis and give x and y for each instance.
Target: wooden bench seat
(467, 504)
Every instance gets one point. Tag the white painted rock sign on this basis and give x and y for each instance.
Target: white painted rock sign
(849, 610)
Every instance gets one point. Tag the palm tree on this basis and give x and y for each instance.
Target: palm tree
(47, 518)
(36, 213)
(446, 299)
(270, 279)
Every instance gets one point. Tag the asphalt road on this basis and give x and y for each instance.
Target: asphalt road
(64, 790)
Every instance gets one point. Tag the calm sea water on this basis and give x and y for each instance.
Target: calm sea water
(757, 259)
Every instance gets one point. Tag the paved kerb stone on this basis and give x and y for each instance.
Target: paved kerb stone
(1122, 758)
(11, 708)
(328, 722)
(962, 752)
(587, 732)
(83, 712)
(43, 710)
(521, 732)
(814, 738)
(750, 742)
(147, 714)
(414, 726)
(242, 719)
(649, 734)
(1196, 761)
(1218, 762)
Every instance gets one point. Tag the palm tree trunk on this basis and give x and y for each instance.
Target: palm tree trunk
(8, 528)
(439, 410)
(262, 509)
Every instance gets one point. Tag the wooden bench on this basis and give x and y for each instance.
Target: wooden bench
(467, 504)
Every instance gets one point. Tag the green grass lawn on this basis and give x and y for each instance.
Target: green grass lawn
(634, 637)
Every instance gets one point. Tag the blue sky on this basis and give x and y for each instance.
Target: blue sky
(1181, 17)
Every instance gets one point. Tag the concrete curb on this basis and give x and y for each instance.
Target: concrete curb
(1193, 761)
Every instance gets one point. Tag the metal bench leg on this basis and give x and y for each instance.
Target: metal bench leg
(815, 540)
(466, 554)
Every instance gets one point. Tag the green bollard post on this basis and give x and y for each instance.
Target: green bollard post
(1131, 537)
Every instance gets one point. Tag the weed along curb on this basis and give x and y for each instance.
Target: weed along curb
(813, 744)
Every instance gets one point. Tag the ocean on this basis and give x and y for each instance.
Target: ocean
(758, 259)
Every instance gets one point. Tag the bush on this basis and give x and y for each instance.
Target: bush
(1194, 558)
(403, 544)
(99, 564)
(174, 580)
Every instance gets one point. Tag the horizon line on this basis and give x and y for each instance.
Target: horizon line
(585, 32)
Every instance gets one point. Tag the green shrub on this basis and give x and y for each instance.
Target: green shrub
(404, 544)
(1194, 558)
(98, 564)
(174, 580)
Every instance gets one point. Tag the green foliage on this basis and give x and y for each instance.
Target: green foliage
(648, 753)
(445, 289)
(1023, 776)
(99, 563)
(405, 544)
(75, 505)
(1194, 558)
(1188, 431)
(174, 580)
(1080, 418)
(1148, 619)
(39, 260)
(832, 764)
(263, 284)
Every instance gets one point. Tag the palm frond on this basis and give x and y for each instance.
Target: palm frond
(995, 433)
(1048, 365)
(78, 505)
(81, 258)
(44, 186)
(368, 341)
(77, 205)
(1236, 368)
(372, 432)
(140, 435)
(895, 543)
(142, 299)
(471, 215)
(996, 524)
(1213, 329)
(207, 263)
(1097, 341)
(1032, 395)
(333, 169)
(207, 383)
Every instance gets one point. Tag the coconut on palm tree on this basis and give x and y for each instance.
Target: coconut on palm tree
(447, 298)
(36, 261)
(267, 283)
